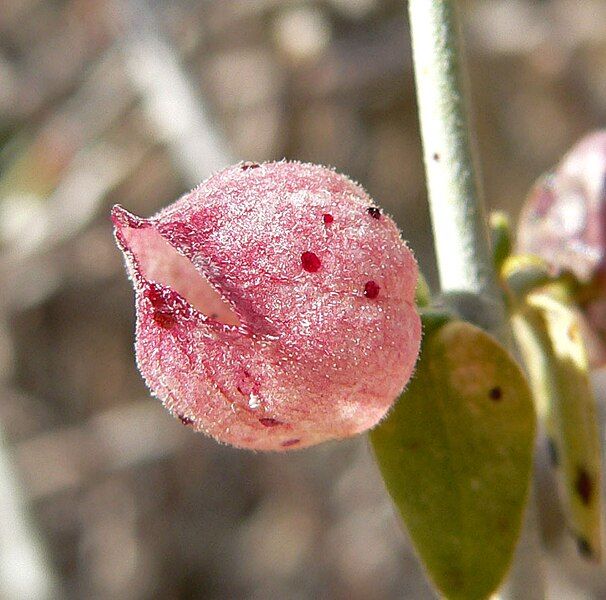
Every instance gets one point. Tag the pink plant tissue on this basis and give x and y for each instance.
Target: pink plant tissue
(564, 222)
(275, 306)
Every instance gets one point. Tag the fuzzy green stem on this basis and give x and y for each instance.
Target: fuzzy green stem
(457, 211)
(459, 221)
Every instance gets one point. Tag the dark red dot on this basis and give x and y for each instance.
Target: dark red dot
(288, 443)
(371, 289)
(164, 319)
(162, 301)
(374, 212)
(584, 486)
(310, 262)
(495, 393)
(269, 422)
(328, 218)
(155, 296)
(249, 165)
(185, 420)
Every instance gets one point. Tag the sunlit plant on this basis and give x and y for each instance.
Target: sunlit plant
(276, 310)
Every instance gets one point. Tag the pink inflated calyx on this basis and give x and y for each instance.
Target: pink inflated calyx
(261, 326)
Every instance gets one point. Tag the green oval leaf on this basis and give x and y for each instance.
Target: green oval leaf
(456, 456)
(548, 334)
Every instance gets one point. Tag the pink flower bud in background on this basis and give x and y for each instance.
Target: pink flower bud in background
(564, 222)
(564, 218)
(275, 306)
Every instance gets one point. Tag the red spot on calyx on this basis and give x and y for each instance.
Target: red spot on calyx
(156, 297)
(249, 165)
(166, 320)
(288, 443)
(163, 314)
(371, 289)
(185, 420)
(374, 212)
(327, 218)
(269, 422)
(310, 262)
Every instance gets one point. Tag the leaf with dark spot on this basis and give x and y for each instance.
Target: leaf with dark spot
(456, 464)
(495, 393)
(557, 365)
(584, 548)
(552, 450)
(584, 486)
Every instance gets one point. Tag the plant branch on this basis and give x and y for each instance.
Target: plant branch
(25, 571)
(457, 211)
(459, 221)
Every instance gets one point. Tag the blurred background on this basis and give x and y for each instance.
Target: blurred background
(102, 494)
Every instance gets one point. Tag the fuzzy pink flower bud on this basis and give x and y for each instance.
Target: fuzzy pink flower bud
(564, 222)
(275, 306)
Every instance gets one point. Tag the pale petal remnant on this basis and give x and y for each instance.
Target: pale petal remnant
(564, 218)
(564, 222)
(275, 306)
